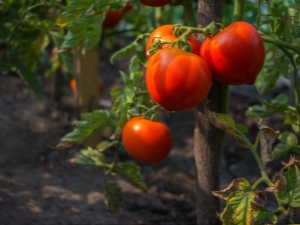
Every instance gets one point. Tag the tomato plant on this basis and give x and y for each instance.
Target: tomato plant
(236, 55)
(165, 34)
(147, 141)
(177, 80)
(155, 3)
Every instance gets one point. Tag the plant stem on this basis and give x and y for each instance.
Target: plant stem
(158, 19)
(238, 11)
(281, 44)
(256, 156)
(190, 13)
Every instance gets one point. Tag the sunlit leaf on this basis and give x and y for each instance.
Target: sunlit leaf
(132, 173)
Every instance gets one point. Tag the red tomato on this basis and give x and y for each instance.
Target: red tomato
(73, 85)
(236, 55)
(147, 141)
(177, 80)
(155, 3)
(113, 17)
(165, 34)
(128, 6)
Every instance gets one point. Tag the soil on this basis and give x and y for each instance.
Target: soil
(40, 185)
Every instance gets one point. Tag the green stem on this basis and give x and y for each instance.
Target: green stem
(259, 181)
(296, 88)
(238, 11)
(284, 44)
(252, 148)
(190, 13)
(258, 14)
(158, 16)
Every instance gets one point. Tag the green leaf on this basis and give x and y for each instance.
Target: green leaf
(92, 121)
(113, 195)
(277, 105)
(104, 145)
(91, 157)
(132, 173)
(226, 118)
(77, 32)
(94, 32)
(28, 76)
(291, 193)
(242, 128)
(288, 142)
(73, 12)
(129, 49)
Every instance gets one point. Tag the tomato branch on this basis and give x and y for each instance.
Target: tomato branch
(283, 44)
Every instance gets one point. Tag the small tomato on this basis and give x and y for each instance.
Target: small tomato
(147, 141)
(155, 3)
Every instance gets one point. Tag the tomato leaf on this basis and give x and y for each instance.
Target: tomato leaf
(73, 12)
(291, 193)
(277, 105)
(91, 122)
(132, 173)
(93, 34)
(288, 143)
(129, 49)
(91, 157)
(28, 76)
(104, 145)
(241, 208)
(112, 195)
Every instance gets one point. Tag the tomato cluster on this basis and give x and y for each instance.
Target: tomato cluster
(178, 80)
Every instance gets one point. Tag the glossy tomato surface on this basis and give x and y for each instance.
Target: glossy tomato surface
(165, 34)
(177, 80)
(236, 55)
(113, 17)
(155, 3)
(147, 141)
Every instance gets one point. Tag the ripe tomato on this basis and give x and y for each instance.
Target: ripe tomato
(147, 141)
(73, 85)
(155, 3)
(236, 55)
(113, 17)
(165, 34)
(177, 80)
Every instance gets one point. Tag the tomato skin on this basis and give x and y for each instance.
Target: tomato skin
(236, 55)
(113, 17)
(155, 3)
(164, 32)
(177, 80)
(147, 141)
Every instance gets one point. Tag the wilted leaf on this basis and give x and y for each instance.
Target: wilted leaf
(239, 184)
(279, 182)
(132, 173)
(267, 137)
(113, 195)
(291, 193)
